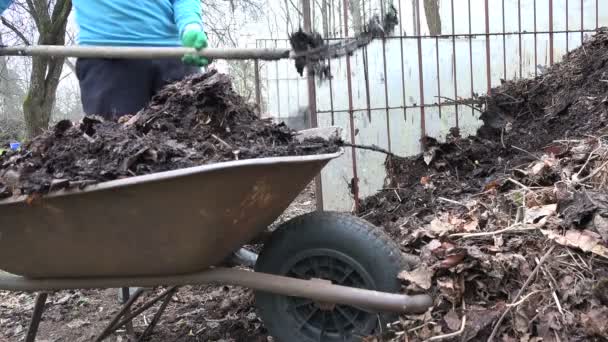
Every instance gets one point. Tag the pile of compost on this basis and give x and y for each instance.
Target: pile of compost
(197, 121)
(511, 225)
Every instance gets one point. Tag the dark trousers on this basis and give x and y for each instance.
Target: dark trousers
(112, 88)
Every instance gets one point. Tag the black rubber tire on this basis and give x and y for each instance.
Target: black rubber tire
(367, 246)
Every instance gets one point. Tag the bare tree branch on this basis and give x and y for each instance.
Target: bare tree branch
(15, 30)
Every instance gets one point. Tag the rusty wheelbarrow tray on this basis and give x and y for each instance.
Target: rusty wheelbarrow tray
(173, 222)
(165, 229)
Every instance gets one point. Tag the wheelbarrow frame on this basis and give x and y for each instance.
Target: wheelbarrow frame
(314, 289)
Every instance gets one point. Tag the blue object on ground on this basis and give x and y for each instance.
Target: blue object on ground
(15, 146)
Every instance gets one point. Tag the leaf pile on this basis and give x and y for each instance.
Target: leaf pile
(511, 225)
(197, 121)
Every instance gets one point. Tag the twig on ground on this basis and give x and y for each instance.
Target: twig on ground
(592, 174)
(221, 141)
(455, 333)
(370, 148)
(523, 288)
(398, 197)
(559, 306)
(451, 201)
(511, 229)
(588, 160)
(519, 184)
(527, 152)
(524, 298)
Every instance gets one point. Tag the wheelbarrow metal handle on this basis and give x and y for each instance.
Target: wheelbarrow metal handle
(316, 290)
(114, 52)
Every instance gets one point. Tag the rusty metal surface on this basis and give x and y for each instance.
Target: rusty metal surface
(317, 291)
(173, 222)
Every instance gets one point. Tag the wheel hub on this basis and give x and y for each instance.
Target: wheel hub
(318, 319)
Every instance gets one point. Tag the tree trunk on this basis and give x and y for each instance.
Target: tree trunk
(433, 19)
(356, 15)
(46, 71)
(325, 18)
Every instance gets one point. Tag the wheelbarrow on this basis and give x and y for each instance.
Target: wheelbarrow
(322, 276)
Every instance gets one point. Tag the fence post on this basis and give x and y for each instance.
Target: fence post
(258, 86)
(312, 100)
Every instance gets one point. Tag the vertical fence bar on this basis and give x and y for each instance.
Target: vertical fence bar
(582, 22)
(258, 85)
(488, 61)
(519, 36)
(331, 95)
(551, 39)
(401, 32)
(438, 75)
(471, 53)
(276, 67)
(366, 72)
(454, 66)
(504, 42)
(388, 117)
(597, 14)
(349, 81)
(535, 43)
(567, 26)
(312, 100)
(421, 78)
(366, 76)
(267, 79)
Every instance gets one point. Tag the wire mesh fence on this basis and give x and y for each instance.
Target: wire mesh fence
(416, 82)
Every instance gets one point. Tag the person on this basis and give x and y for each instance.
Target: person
(112, 88)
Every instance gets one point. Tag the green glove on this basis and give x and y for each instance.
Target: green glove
(194, 37)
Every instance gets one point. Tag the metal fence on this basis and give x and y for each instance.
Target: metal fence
(411, 84)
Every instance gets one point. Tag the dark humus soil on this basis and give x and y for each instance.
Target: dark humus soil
(197, 121)
(512, 224)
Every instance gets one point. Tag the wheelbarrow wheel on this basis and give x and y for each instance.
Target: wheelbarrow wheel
(338, 247)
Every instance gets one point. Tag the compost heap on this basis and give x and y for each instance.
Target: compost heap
(199, 120)
(511, 225)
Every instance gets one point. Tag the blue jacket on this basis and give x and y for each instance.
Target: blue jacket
(132, 22)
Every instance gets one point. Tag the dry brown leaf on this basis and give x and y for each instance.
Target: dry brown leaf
(471, 226)
(520, 322)
(600, 223)
(594, 322)
(452, 320)
(452, 260)
(450, 289)
(425, 180)
(421, 277)
(479, 319)
(491, 185)
(538, 215)
(584, 240)
(440, 227)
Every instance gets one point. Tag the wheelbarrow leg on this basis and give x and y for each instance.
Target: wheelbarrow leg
(159, 313)
(126, 294)
(112, 326)
(32, 331)
(124, 316)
